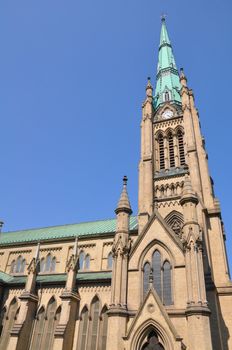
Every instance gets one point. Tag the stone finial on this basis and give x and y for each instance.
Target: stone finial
(183, 78)
(188, 195)
(149, 88)
(124, 202)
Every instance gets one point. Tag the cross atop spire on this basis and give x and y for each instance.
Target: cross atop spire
(167, 77)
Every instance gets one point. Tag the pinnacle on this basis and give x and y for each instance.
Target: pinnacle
(124, 202)
(183, 78)
(188, 194)
(149, 88)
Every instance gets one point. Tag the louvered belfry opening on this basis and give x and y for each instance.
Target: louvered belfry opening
(171, 151)
(181, 147)
(161, 152)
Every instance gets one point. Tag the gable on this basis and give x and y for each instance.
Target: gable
(156, 232)
(153, 314)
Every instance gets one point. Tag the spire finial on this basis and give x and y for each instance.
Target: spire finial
(124, 203)
(163, 17)
(125, 179)
(149, 88)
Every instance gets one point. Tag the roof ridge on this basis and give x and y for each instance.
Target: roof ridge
(62, 225)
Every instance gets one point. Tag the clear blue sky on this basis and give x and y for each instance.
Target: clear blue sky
(72, 80)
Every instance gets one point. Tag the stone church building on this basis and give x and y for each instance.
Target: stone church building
(157, 280)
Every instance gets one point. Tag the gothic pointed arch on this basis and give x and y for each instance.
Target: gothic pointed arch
(38, 329)
(175, 220)
(8, 322)
(103, 326)
(93, 323)
(83, 326)
(151, 340)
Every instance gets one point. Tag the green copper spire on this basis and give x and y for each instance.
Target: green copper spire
(167, 79)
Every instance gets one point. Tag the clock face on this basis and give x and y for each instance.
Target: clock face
(167, 114)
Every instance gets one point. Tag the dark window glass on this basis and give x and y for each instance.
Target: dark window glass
(161, 152)
(146, 273)
(167, 284)
(171, 151)
(156, 266)
(181, 148)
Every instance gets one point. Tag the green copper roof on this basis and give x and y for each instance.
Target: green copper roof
(55, 278)
(65, 231)
(167, 78)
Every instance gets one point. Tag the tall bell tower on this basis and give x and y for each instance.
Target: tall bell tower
(175, 184)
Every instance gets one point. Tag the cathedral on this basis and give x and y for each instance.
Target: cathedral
(156, 280)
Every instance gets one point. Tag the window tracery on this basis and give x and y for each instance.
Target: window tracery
(44, 326)
(93, 327)
(160, 271)
(84, 261)
(175, 220)
(48, 264)
(18, 265)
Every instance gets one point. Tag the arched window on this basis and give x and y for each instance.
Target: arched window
(87, 262)
(39, 323)
(81, 260)
(156, 266)
(48, 334)
(181, 147)
(82, 337)
(146, 274)
(18, 266)
(103, 329)
(110, 261)
(53, 264)
(48, 264)
(42, 265)
(167, 284)
(93, 324)
(8, 323)
(171, 151)
(12, 267)
(161, 152)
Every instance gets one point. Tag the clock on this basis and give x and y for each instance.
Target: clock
(167, 114)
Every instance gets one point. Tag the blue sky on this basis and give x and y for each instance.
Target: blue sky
(72, 80)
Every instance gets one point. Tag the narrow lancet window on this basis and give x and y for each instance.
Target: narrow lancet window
(156, 266)
(161, 152)
(171, 151)
(181, 148)
(167, 284)
(146, 274)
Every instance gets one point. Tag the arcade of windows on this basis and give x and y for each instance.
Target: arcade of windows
(92, 330)
(159, 273)
(170, 150)
(18, 265)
